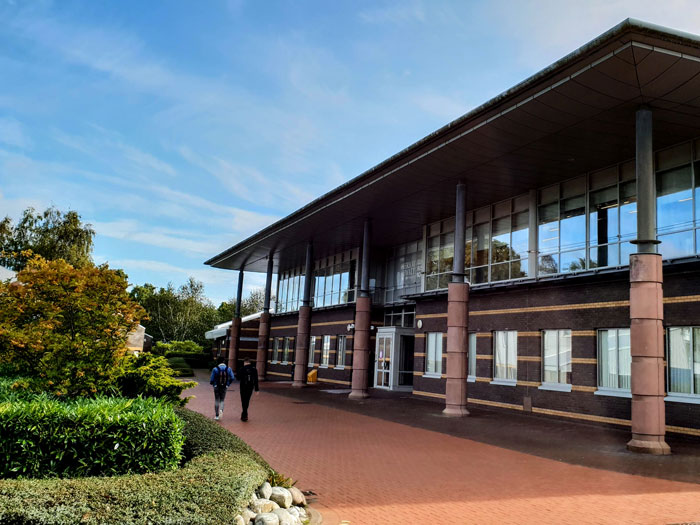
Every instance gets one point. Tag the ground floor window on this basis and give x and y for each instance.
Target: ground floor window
(276, 345)
(684, 360)
(312, 350)
(288, 350)
(471, 367)
(556, 354)
(433, 353)
(614, 359)
(326, 350)
(340, 351)
(505, 355)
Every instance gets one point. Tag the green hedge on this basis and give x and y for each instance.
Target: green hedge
(180, 347)
(180, 366)
(44, 437)
(148, 375)
(213, 486)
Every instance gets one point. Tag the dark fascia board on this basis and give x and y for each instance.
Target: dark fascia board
(629, 25)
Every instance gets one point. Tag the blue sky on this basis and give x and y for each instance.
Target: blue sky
(178, 128)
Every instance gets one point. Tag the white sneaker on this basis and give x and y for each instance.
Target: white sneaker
(216, 418)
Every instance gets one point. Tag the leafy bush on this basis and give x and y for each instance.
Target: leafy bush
(150, 376)
(180, 366)
(212, 488)
(45, 437)
(70, 324)
(177, 347)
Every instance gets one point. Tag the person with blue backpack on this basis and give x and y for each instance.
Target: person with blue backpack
(221, 378)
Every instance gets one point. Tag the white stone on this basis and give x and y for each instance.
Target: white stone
(282, 497)
(261, 506)
(294, 511)
(265, 490)
(248, 516)
(298, 497)
(238, 520)
(267, 518)
(285, 517)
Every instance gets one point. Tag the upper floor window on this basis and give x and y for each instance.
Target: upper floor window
(556, 356)
(684, 360)
(334, 280)
(290, 291)
(404, 271)
(439, 254)
(614, 359)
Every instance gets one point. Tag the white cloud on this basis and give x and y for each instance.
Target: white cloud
(12, 133)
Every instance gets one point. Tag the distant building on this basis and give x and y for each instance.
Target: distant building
(6, 273)
(139, 340)
(220, 336)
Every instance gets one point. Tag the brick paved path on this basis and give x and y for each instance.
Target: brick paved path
(366, 470)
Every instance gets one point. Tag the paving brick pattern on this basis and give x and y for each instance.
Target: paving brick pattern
(367, 470)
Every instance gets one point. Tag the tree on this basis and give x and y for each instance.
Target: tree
(250, 305)
(51, 234)
(65, 326)
(177, 314)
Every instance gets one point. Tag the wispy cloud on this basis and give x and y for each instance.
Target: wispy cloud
(12, 133)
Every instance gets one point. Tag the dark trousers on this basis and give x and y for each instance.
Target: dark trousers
(246, 394)
(219, 397)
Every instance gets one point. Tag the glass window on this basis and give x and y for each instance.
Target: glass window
(556, 350)
(471, 367)
(433, 354)
(312, 350)
(614, 359)
(505, 355)
(340, 352)
(285, 356)
(674, 200)
(684, 360)
(326, 350)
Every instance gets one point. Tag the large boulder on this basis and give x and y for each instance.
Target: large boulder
(262, 506)
(267, 518)
(298, 497)
(282, 497)
(238, 520)
(248, 516)
(285, 517)
(265, 490)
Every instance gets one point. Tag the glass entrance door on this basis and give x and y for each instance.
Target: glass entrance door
(385, 346)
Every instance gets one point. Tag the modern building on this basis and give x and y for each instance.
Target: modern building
(247, 344)
(540, 253)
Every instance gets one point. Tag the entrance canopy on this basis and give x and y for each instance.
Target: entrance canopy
(575, 116)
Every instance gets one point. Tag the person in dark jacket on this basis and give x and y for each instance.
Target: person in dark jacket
(248, 377)
(221, 378)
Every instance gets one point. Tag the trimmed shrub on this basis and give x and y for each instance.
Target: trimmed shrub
(148, 375)
(179, 347)
(212, 487)
(180, 366)
(44, 437)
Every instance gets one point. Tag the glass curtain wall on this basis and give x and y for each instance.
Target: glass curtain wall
(290, 289)
(334, 280)
(404, 271)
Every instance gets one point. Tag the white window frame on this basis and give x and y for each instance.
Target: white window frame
(556, 385)
(325, 351)
(509, 335)
(682, 397)
(606, 390)
(312, 351)
(437, 350)
(471, 358)
(341, 347)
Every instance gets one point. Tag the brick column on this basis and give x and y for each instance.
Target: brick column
(457, 347)
(360, 350)
(301, 355)
(263, 341)
(234, 343)
(647, 342)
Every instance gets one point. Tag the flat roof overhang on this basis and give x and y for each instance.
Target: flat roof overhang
(575, 116)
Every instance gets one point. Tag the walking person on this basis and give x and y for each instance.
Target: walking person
(248, 377)
(221, 378)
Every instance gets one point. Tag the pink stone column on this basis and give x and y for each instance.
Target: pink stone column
(457, 348)
(234, 343)
(263, 341)
(301, 354)
(647, 342)
(360, 351)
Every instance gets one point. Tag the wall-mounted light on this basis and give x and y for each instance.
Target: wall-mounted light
(419, 324)
(350, 327)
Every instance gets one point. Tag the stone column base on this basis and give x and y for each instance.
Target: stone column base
(648, 446)
(457, 349)
(234, 343)
(302, 348)
(360, 350)
(263, 341)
